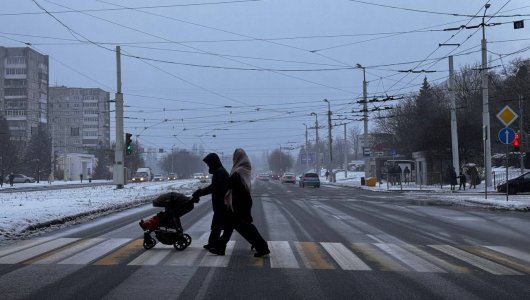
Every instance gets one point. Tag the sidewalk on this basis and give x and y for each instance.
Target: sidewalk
(468, 197)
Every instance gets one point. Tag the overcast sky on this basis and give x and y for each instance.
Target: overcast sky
(229, 74)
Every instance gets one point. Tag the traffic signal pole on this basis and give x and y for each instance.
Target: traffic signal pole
(119, 170)
(485, 104)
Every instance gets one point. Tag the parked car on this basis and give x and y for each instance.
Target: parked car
(516, 185)
(263, 177)
(288, 177)
(309, 179)
(20, 178)
(158, 177)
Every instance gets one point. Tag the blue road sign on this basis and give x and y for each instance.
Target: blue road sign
(506, 135)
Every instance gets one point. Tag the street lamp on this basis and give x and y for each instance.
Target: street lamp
(306, 149)
(365, 117)
(330, 162)
(317, 161)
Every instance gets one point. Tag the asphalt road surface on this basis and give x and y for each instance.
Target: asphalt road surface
(327, 243)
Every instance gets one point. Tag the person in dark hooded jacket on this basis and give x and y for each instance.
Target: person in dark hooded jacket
(218, 189)
(239, 201)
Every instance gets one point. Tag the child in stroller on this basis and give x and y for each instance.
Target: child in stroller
(166, 224)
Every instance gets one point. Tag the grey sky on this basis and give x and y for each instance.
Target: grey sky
(242, 90)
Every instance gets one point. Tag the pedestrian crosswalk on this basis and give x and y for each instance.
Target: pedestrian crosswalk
(385, 257)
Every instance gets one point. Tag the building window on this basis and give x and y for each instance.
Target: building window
(15, 60)
(15, 71)
(74, 131)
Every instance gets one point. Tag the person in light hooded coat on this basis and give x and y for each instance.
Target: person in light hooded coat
(239, 203)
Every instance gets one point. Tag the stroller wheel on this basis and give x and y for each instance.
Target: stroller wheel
(149, 243)
(181, 244)
(187, 237)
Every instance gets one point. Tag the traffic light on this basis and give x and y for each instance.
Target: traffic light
(128, 144)
(516, 143)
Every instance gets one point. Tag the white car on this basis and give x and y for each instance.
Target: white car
(158, 177)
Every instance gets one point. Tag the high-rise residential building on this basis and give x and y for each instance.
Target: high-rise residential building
(23, 90)
(79, 119)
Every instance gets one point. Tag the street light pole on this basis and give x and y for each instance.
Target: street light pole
(306, 149)
(330, 163)
(317, 160)
(365, 119)
(485, 103)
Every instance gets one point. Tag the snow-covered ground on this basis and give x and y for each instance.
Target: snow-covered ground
(470, 197)
(24, 210)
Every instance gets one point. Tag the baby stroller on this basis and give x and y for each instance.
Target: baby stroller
(166, 224)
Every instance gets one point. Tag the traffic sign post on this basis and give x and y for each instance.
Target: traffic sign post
(507, 116)
(506, 135)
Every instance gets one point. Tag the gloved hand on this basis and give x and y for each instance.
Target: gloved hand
(197, 193)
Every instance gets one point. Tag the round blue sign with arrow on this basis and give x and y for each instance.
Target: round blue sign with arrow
(506, 135)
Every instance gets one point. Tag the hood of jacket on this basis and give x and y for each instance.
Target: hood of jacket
(213, 161)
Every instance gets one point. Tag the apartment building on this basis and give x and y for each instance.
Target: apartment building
(23, 90)
(79, 119)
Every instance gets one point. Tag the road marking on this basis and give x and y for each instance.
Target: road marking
(379, 257)
(121, 254)
(436, 260)
(37, 250)
(63, 253)
(512, 262)
(152, 257)
(375, 238)
(90, 254)
(345, 258)
(213, 260)
(477, 261)
(187, 257)
(282, 255)
(416, 263)
(511, 252)
(23, 245)
(336, 217)
(312, 256)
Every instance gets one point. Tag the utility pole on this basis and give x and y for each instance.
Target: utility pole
(119, 170)
(454, 128)
(345, 153)
(317, 165)
(485, 104)
(330, 163)
(521, 134)
(306, 149)
(365, 121)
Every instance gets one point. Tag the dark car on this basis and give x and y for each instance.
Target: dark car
(275, 177)
(516, 185)
(309, 179)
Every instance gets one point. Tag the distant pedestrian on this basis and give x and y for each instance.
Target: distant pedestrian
(406, 174)
(473, 177)
(327, 175)
(2, 180)
(50, 178)
(81, 177)
(452, 178)
(463, 180)
(11, 178)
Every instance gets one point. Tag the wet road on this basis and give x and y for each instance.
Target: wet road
(327, 243)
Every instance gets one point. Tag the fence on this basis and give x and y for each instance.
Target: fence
(500, 176)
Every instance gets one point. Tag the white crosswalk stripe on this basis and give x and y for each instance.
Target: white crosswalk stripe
(477, 261)
(35, 251)
(345, 258)
(93, 253)
(415, 262)
(284, 255)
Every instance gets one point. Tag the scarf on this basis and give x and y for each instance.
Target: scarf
(243, 168)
